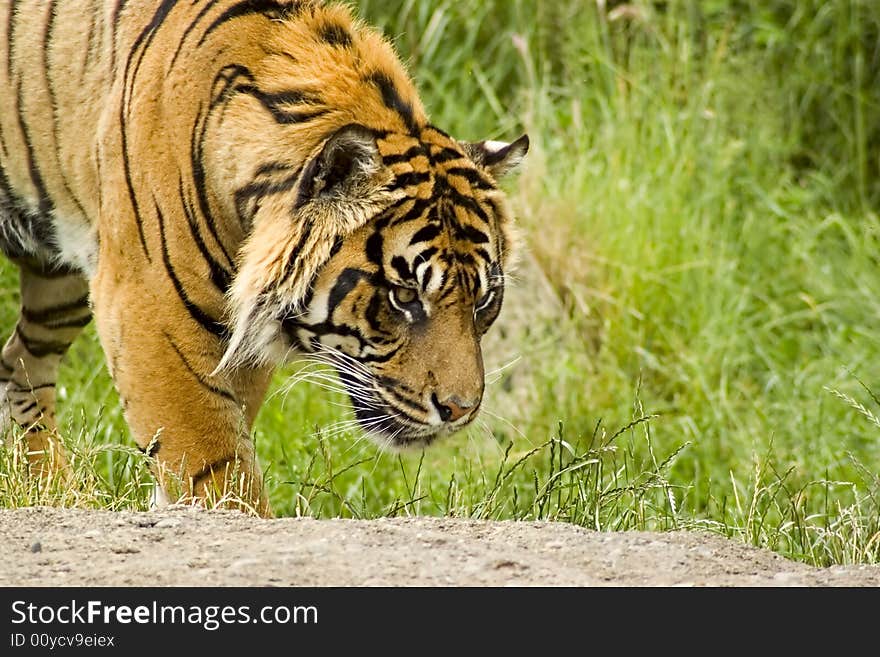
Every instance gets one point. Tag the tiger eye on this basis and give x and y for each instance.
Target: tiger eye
(405, 295)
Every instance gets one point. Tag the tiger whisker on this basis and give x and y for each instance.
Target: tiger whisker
(510, 424)
(327, 381)
(498, 370)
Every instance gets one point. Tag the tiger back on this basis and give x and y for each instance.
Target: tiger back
(224, 186)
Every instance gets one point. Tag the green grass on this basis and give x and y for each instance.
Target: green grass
(701, 198)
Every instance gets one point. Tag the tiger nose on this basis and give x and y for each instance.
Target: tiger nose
(452, 408)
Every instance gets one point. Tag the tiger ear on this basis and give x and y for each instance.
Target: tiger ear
(348, 158)
(497, 156)
(339, 190)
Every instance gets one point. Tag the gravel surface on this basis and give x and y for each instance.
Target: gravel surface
(190, 547)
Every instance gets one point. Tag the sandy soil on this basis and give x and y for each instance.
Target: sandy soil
(65, 547)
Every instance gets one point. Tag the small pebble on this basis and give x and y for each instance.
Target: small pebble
(36, 547)
(167, 522)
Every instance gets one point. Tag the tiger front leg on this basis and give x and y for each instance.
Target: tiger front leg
(194, 425)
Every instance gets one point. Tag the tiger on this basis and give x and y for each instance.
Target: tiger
(226, 186)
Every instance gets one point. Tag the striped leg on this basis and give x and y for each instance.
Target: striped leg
(54, 309)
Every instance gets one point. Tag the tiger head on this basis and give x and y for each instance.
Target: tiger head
(390, 266)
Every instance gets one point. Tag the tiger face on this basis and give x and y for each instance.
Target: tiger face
(399, 304)
(400, 310)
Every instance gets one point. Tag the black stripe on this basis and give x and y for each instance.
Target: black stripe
(438, 131)
(345, 283)
(226, 463)
(474, 177)
(274, 103)
(410, 154)
(222, 392)
(5, 186)
(335, 35)
(248, 198)
(29, 407)
(444, 277)
(468, 202)
(385, 217)
(500, 240)
(374, 248)
(391, 98)
(481, 252)
(152, 448)
(429, 273)
(324, 328)
(272, 167)
(35, 428)
(206, 321)
(310, 293)
(401, 399)
(50, 88)
(425, 234)
(493, 204)
(114, 19)
(10, 38)
(41, 348)
(192, 25)
(270, 8)
(450, 289)
(44, 203)
(90, 42)
(140, 46)
(461, 274)
(220, 276)
(411, 178)
(293, 258)
(447, 154)
(391, 382)
(378, 358)
(198, 173)
(470, 234)
(374, 308)
(54, 313)
(229, 76)
(337, 245)
(117, 10)
(29, 388)
(417, 211)
(144, 40)
(47, 39)
(424, 256)
(401, 266)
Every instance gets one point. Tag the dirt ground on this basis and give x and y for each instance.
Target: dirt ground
(67, 547)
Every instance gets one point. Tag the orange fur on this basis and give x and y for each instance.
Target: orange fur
(209, 173)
